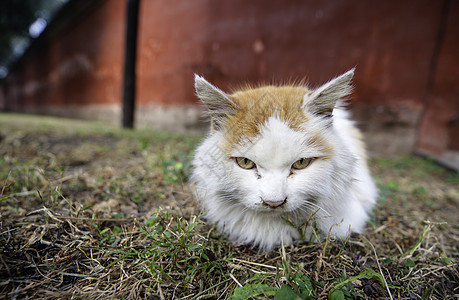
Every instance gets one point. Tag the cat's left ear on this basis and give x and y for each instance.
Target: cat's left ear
(322, 101)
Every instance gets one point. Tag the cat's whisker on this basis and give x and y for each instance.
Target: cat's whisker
(326, 213)
(313, 206)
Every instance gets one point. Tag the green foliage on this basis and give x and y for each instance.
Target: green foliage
(254, 291)
(286, 292)
(299, 288)
(409, 263)
(175, 169)
(418, 168)
(387, 190)
(108, 236)
(174, 253)
(304, 285)
(344, 288)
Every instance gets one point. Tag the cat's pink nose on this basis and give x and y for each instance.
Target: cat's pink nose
(274, 203)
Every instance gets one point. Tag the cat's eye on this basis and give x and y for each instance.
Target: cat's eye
(245, 163)
(302, 163)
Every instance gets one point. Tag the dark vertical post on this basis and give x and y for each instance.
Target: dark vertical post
(129, 63)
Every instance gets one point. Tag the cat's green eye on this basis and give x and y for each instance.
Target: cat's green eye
(302, 163)
(245, 163)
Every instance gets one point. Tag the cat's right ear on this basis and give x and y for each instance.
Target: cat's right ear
(218, 103)
(322, 101)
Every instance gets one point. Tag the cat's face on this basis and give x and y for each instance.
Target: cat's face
(280, 170)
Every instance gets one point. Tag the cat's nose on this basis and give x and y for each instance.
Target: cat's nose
(274, 203)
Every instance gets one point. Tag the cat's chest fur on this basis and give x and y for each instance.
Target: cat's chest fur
(282, 153)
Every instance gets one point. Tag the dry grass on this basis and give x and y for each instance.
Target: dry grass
(90, 212)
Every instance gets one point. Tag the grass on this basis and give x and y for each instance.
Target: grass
(90, 211)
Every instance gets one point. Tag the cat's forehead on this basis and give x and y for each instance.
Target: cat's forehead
(256, 106)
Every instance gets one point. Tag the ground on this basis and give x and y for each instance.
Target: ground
(90, 211)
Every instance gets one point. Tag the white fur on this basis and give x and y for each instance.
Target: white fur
(336, 193)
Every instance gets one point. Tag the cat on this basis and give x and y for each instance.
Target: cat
(282, 163)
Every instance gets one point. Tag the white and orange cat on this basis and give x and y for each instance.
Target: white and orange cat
(282, 161)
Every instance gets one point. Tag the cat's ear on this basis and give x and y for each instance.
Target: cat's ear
(218, 103)
(322, 101)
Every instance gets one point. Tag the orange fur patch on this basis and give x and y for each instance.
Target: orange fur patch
(255, 106)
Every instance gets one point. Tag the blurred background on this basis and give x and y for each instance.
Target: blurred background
(69, 58)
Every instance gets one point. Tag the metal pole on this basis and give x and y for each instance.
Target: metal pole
(129, 63)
